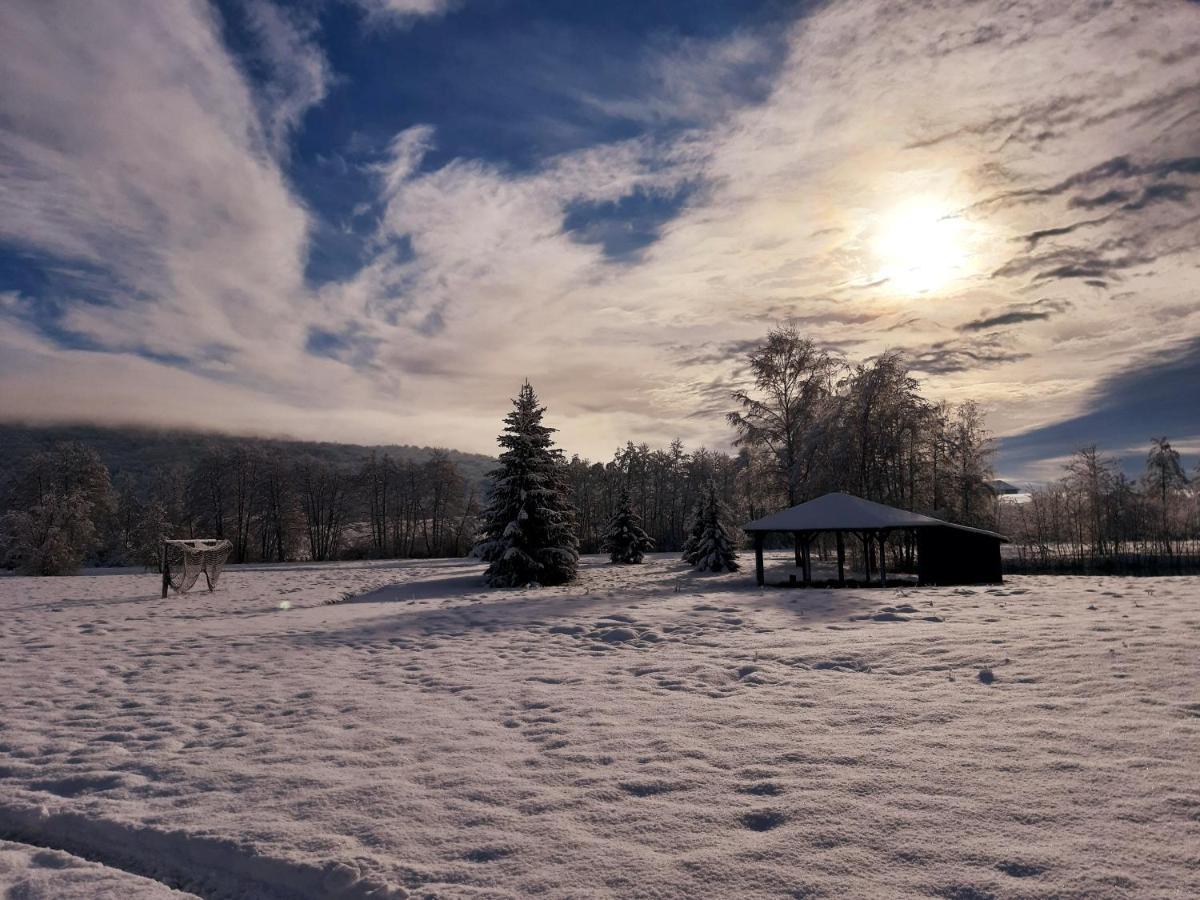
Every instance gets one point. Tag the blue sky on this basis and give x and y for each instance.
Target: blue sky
(368, 220)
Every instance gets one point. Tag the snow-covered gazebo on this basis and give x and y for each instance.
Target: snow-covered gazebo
(946, 553)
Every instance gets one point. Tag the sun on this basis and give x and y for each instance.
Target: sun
(919, 247)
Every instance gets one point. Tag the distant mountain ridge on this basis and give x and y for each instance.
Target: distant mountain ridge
(138, 452)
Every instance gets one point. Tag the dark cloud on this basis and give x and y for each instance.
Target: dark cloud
(1025, 312)
(1091, 272)
(1108, 198)
(1155, 396)
(1124, 188)
(1069, 263)
(831, 318)
(1127, 174)
(1159, 193)
(1057, 116)
(709, 353)
(735, 352)
(1035, 237)
(711, 399)
(1184, 96)
(1031, 123)
(963, 355)
(904, 323)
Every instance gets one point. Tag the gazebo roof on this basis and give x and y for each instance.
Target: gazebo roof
(845, 512)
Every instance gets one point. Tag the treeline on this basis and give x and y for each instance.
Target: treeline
(62, 509)
(664, 486)
(808, 422)
(1098, 519)
(817, 423)
(811, 423)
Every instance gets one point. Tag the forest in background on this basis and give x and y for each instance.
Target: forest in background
(1096, 519)
(811, 423)
(806, 422)
(273, 500)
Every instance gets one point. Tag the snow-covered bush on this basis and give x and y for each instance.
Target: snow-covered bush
(50, 537)
(59, 502)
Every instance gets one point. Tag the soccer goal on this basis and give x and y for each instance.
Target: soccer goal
(184, 561)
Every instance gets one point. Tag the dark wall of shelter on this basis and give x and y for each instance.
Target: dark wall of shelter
(954, 556)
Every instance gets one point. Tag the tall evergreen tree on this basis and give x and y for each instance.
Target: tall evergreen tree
(528, 531)
(625, 541)
(710, 546)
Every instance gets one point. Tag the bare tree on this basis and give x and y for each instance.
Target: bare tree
(323, 490)
(1091, 477)
(242, 474)
(208, 492)
(970, 452)
(793, 380)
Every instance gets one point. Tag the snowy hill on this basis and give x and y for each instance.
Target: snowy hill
(139, 451)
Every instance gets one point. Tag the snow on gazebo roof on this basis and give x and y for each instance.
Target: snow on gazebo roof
(845, 512)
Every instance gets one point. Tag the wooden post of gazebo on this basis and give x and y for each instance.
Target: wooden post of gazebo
(882, 558)
(841, 550)
(807, 560)
(759, 538)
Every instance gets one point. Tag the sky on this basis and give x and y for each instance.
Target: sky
(371, 220)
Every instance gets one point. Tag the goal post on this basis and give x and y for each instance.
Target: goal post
(184, 561)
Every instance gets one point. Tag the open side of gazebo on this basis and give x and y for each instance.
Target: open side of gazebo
(946, 553)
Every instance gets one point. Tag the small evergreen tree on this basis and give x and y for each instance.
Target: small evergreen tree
(710, 548)
(695, 529)
(528, 530)
(624, 540)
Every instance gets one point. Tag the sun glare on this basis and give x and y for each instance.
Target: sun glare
(919, 247)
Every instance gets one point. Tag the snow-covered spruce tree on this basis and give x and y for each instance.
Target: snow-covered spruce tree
(528, 529)
(624, 539)
(713, 548)
(695, 529)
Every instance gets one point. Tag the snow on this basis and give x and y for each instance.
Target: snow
(648, 731)
(35, 873)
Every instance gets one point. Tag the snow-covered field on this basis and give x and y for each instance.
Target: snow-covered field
(646, 732)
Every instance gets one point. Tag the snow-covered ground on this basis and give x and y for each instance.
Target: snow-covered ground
(645, 732)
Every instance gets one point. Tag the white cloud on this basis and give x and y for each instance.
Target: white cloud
(131, 143)
(404, 12)
(300, 73)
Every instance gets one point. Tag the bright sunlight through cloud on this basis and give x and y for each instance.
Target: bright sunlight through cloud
(919, 247)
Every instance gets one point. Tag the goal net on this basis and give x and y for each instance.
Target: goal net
(184, 561)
